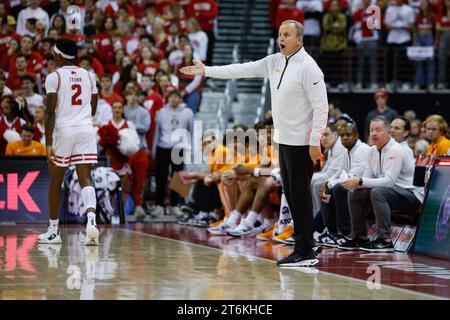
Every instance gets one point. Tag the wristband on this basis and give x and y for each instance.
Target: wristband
(257, 172)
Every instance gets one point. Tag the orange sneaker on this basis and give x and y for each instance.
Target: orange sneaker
(215, 224)
(267, 234)
(287, 233)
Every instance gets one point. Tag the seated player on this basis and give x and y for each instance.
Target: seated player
(26, 146)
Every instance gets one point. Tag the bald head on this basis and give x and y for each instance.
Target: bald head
(290, 37)
(297, 25)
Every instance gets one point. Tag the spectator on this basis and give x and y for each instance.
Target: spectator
(313, 13)
(103, 40)
(288, 11)
(382, 109)
(150, 17)
(4, 90)
(12, 51)
(172, 39)
(168, 69)
(119, 162)
(410, 115)
(334, 112)
(176, 56)
(138, 161)
(436, 130)
(75, 35)
(106, 92)
(46, 47)
(335, 161)
(120, 61)
(399, 20)
(198, 39)
(130, 73)
(423, 37)
(26, 146)
(160, 34)
(39, 125)
(34, 58)
(103, 113)
(53, 34)
(24, 111)
(333, 43)
(30, 27)
(15, 10)
(33, 99)
(366, 40)
(190, 86)
(63, 15)
(335, 213)
(415, 127)
(386, 185)
(14, 82)
(153, 103)
(147, 65)
(205, 11)
(443, 40)
(162, 83)
(7, 32)
(9, 120)
(86, 62)
(273, 8)
(33, 11)
(170, 118)
(59, 24)
(176, 13)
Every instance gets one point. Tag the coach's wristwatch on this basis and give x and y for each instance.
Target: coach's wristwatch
(360, 182)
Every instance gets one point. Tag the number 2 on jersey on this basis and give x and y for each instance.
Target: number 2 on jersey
(77, 91)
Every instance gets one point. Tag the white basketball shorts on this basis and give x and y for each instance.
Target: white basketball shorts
(74, 145)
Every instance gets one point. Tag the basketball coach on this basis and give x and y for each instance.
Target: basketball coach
(300, 111)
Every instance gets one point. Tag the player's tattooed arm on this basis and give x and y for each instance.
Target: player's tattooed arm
(50, 116)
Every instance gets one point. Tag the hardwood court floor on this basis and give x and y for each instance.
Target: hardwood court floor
(168, 261)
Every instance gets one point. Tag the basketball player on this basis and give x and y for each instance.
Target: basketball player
(70, 136)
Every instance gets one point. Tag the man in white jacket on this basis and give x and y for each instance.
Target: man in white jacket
(387, 184)
(300, 112)
(336, 154)
(335, 213)
(33, 11)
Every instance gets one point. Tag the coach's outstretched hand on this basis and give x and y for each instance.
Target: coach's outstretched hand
(198, 69)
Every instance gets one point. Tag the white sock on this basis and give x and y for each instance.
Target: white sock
(234, 217)
(54, 225)
(91, 218)
(268, 223)
(89, 197)
(251, 218)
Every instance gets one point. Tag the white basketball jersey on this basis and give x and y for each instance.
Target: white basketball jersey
(74, 87)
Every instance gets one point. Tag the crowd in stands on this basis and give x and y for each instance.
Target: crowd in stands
(333, 26)
(135, 49)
